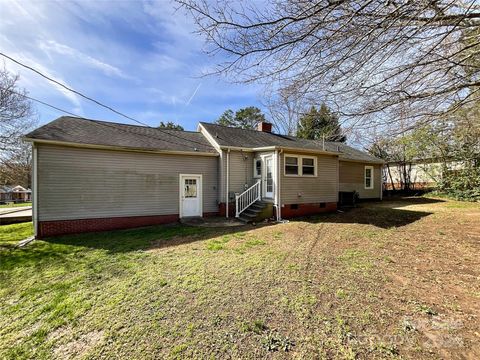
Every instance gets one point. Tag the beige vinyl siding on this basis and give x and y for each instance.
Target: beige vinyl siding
(80, 183)
(351, 178)
(304, 190)
(240, 172)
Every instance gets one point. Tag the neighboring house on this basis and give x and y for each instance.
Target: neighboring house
(15, 194)
(93, 175)
(419, 173)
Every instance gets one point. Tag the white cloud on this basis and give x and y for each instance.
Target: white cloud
(53, 46)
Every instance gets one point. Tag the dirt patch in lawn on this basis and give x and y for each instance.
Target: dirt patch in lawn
(80, 346)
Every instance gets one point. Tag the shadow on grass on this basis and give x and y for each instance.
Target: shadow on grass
(138, 239)
(385, 214)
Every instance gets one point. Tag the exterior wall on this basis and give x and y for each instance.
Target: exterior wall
(75, 183)
(351, 178)
(240, 172)
(322, 188)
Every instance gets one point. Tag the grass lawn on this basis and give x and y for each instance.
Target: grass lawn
(397, 279)
(15, 205)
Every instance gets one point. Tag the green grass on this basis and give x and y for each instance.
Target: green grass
(15, 205)
(313, 288)
(10, 235)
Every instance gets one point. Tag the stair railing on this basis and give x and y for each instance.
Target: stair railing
(247, 198)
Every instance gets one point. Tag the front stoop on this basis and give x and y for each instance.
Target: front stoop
(257, 212)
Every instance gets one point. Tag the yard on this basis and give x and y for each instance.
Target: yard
(10, 205)
(394, 279)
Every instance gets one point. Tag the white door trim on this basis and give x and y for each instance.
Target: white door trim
(199, 190)
(264, 177)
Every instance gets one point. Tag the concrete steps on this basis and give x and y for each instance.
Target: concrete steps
(256, 212)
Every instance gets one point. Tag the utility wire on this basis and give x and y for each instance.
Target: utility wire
(72, 90)
(43, 103)
(93, 100)
(102, 123)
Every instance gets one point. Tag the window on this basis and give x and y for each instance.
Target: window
(368, 177)
(299, 165)
(291, 165)
(257, 168)
(190, 190)
(308, 166)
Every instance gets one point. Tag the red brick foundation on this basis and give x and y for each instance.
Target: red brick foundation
(222, 209)
(307, 209)
(63, 227)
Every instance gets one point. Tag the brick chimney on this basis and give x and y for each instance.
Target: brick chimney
(264, 126)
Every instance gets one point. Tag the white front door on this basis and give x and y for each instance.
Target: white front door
(190, 195)
(268, 177)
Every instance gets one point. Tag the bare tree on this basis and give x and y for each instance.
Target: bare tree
(17, 116)
(15, 169)
(364, 59)
(16, 111)
(285, 108)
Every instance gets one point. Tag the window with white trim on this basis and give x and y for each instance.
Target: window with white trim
(300, 165)
(257, 168)
(308, 166)
(291, 165)
(368, 177)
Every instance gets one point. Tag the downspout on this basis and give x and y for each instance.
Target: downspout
(35, 190)
(226, 185)
(381, 181)
(279, 192)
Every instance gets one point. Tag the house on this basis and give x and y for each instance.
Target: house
(15, 194)
(418, 174)
(94, 175)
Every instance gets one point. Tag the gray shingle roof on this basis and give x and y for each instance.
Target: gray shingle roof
(95, 132)
(235, 137)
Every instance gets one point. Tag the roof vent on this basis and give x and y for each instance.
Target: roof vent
(264, 127)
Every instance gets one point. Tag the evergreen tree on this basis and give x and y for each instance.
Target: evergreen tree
(246, 118)
(170, 125)
(320, 123)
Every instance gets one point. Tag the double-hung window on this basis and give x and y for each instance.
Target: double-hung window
(291, 165)
(300, 165)
(368, 177)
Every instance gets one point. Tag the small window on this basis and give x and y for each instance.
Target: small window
(294, 206)
(291, 165)
(257, 168)
(368, 177)
(308, 166)
(322, 205)
(190, 188)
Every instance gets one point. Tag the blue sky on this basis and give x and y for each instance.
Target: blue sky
(140, 57)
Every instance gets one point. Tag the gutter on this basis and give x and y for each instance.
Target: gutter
(379, 162)
(117, 148)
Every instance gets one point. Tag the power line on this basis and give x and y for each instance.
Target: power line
(93, 100)
(72, 90)
(96, 122)
(46, 104)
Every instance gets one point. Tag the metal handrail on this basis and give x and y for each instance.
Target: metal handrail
(247, 198)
